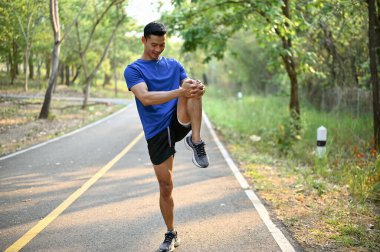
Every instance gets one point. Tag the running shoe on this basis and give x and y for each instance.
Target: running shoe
(200, 157)
(170, 242)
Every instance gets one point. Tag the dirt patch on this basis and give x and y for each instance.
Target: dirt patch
(21, 128)
(320, 220)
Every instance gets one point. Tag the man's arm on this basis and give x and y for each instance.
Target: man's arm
(189, 88)
(147, 97)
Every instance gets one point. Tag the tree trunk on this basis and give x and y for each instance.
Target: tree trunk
(14, 62)
(31, 67)
(44, 114)
(28, 45)
(62, 72)
(59, 74)
(114, 66)
(67, 75)
(377, 29)
(373, 68)
(26, 66)
(39, 63)
(204, 78)
(107, 79)
(86, 94)
(9, 61)
(47, 65)
(290, 67)
(294, 99)
(355, 74)
(76, 75)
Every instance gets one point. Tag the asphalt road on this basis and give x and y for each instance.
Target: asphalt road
(119, 211)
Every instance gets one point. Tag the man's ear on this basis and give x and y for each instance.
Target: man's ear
(143, 39)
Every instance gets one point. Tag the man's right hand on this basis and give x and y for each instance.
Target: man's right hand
(192, 88)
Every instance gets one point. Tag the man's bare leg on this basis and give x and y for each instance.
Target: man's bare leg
(164, 174)
(190, 110)
(194, 108)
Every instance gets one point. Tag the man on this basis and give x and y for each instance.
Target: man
(169, 106)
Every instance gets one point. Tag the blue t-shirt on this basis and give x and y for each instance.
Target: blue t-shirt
(159, 75)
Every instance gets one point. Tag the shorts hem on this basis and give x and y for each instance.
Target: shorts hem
(162, 158)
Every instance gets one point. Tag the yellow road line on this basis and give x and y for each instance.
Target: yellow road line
(42, 224)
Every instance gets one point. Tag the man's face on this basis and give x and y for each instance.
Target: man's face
(153, 46)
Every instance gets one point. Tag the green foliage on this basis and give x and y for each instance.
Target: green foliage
(7, 29)
(316, 184)
(321, 165)
(209, 24)
(233, 116)
(355, 235)
(349, 159)
(286, 135)
(123, 50)
(19, 20)
(92, 33)
(252, 74)
(329, 42)
(365, 178)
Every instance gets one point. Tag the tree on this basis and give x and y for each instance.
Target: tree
(217, 21)
(114, 64)
(246, 74)
(55, 58)
(44, 114)
(332, 49)
(9, 39)
(372, 46)
(126, 48)
(29, 16)
(84, 46)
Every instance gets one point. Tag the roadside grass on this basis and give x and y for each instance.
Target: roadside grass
(306, 192)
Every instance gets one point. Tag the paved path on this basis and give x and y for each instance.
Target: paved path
(119, 211)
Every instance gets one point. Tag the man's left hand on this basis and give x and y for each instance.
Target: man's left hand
(200, 89)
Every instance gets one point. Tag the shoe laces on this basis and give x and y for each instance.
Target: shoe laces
(169, 236)
(200, 149)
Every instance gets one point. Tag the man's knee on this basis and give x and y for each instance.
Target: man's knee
(196, 98)
(195, 101)
(166, 188)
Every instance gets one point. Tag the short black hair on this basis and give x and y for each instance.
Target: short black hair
(155, 28)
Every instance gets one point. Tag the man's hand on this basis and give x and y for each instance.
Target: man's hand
(193, 88)
(201, 89)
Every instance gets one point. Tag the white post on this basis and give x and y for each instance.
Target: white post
(321, 141)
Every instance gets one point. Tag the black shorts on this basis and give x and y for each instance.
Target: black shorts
(161, 146)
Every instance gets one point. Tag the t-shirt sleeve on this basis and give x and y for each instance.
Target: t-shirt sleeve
(182, 72)
(132, 76)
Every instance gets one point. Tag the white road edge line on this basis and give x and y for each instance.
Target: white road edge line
(279, 237)
(66, 135)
